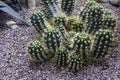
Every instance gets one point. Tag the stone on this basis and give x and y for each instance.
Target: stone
(115, 2)
(11, 24)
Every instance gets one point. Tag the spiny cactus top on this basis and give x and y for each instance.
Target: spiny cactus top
(102, 43)
(60, 19)
(36, 51)
(77, 26)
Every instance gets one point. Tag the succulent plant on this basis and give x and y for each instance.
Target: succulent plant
(61, 57)
(72, 41)
(94, 19)
(75, 62)
(36, 51)
(38, 20)
(68, 6)
(102, 43)
(52, 40)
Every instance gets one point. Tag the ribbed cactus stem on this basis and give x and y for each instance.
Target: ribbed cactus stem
(52, 40)
(94, 19)
(62, 32)
(39, 21)
(75, 62)
(82, 45)
(62, 56)
(36, 51)
(68, 6)
(85, 9)
(102, 43)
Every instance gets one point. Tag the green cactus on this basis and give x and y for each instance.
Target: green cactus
(52, 40)
(38, 20)
(94, 19)
(68, 6)
(36, 51)
(85, 9)
(62, 57)
(75, 62)
(82, 45)
(60, 19)
(107, 12)
(77, 26)
(109, 22)
(102, 43)
(62, 32)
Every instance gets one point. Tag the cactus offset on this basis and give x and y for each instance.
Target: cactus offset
(36, 51)
(102, 43)
(68, 6)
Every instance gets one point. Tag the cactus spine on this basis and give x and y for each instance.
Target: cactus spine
(36, 51)
(102, 43)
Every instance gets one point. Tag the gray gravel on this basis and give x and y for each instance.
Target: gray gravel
(15, 64)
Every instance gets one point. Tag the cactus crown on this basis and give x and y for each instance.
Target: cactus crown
(72, 41)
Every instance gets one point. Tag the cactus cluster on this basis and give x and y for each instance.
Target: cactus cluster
(71, 41)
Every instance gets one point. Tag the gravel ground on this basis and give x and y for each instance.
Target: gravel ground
(15, 64)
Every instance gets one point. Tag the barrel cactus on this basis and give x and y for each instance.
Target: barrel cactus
(102, 43)
(37, 51)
